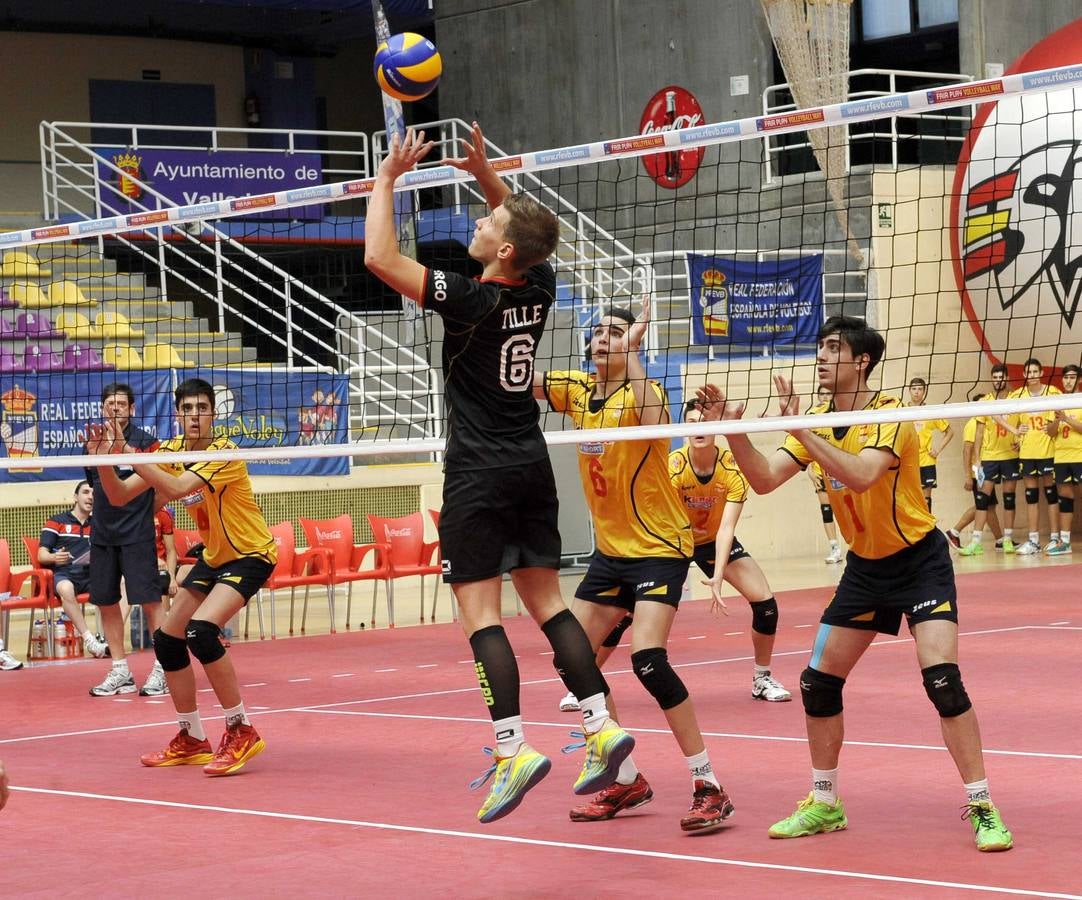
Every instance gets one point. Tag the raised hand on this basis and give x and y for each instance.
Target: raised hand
(715, 405)
(475, 159)
(404, 154)
(637, 331)
(789, 402)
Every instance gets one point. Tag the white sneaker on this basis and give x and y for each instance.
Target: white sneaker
(766, 687)
(835, 555)
(118, 681)
(95, 646)
(569, 703)
(1028, 549)
(9, 663)
(155, 685)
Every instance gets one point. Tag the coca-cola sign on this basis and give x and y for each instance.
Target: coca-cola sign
(669, 109)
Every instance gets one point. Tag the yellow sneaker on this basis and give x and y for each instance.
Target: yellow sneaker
(989, 831)
(811, 817)
(605, 752)
(514, 776)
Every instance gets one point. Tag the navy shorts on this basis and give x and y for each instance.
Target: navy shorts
(1034, 468)
(1068, 473)
(246, 575)
(999, 470)
(79, 578)
(705, 557)
(928, 476)
(137, 563)
(496, 520)
(622, 582)
(917, 582)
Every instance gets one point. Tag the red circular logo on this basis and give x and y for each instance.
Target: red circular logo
(670, 109)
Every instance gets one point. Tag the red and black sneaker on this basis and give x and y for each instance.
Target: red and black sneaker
(615, 798)
(710, 807)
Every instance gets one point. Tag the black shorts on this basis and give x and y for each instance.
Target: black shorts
(79, 578)
(999, 470)
(137, 563)
(993, 500)
(1034, 468)
(496, 520)
(917, 582)
(246, 575)
(928, 476)
(621, 582)
(1068, 473)
(705, 556)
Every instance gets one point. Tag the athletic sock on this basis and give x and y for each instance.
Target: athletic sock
(88, 635)
(977, 536)
(628, 772)
(761, 670)
(236, 716)
(1065, 538)
(701, 770)
(825, 785)
(497, 671)
(978, 790)
(954, 532)
(509, 736)
(192, 723)
(121, 665)
(595, 713)
(1035, 537)
(1008, 534)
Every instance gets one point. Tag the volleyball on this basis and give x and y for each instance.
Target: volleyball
(407, 66)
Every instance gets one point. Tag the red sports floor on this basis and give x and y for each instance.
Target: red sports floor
(372, 738)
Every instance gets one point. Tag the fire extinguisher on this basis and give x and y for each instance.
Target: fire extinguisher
(251, 110)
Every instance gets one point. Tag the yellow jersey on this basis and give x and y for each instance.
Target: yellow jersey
(635, 511)
(925, 432)
(891, 514)
(1036, 444)
(224, 510)
(998, 442)
(969, 432)
(704, 497)
(1068, 441)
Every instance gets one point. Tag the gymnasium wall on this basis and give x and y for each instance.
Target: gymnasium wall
(999, 31)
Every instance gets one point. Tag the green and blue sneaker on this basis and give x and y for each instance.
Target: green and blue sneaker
(811, 817)
(989, 831)
(514, 776)
(605, 752)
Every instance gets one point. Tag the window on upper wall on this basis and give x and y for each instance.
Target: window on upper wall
(878, 19)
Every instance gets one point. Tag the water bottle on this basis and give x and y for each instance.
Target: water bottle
(60, 639)
(37, 639)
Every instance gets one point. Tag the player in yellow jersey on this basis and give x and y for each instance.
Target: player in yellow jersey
(238, 558)
(1066, 427)
(1036, 451)
(898, 565)
(826, 511)
(926, 432)
(998, 465)
(972, 484)
(644, 546)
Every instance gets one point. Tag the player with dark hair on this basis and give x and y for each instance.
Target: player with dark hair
(926, 432)
(1066, 428)
(499, 493)
(898, 565)
(644, 547)
(239, 556)
(972, 483)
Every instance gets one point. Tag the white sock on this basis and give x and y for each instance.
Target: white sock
(761, 670)
(1065, 538)
(953, 531)
(88, 635)
(121, 665)
(978, 790)
(701, 770)
(628, 772)
(595, 713)
(825, 785)
(193, 724)
(236, 716)
(975, 538)
(1035, 538)
(509, 736)
(1008, 533)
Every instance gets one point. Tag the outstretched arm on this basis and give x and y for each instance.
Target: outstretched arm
(475, 161)
(652, 411)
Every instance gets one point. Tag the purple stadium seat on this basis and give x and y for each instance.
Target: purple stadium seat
(9, 363)
(5, 301)
(33, 325)
(83, 358)
(7, 331)
(39, 358)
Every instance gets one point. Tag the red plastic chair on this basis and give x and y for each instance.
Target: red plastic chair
(185, 540)
(336, 535)
(32, 544)
(293, 570)
(409, 554)
(41, 596)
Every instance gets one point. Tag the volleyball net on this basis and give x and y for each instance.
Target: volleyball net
(957, 243)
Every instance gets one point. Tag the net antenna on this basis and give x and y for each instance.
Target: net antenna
(812, 39)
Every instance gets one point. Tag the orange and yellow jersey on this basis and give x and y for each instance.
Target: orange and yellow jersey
(1069, 441)
(891, 514)
(704, 497)
(635, 511)
(925, 432)
(1036, 444)
(969, 431)
(224, 510)
(998, 443)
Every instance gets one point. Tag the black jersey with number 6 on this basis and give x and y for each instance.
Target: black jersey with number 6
(491, 332)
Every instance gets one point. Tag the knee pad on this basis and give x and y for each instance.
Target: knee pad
(657, 676)
(1008, 499)
(827, 512)
(1050, 494)
(764, 616)
(1066, 504)
(981, 500)
(171, 652)
(1033, 495)
(943, 683)
(821, 693)
(203, 641)
(613, 640)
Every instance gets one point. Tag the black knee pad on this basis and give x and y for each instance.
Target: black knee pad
(943, 684)
(171, 652)
(981, 500)
(1066, 504)
(764, 616)
(1033, 495)
(821, 693)
(1050, 494)
(203, 641)
(1008, 499)
(613, 640)
(827, 512)
(658, 677)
